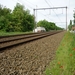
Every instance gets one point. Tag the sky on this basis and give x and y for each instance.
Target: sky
(57, 16)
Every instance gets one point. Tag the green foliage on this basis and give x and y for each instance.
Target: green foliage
(28, 22)
(4, 14)
(74, 18)
(74, 15)
(70, 25)
(64, 61)
(3, 33)
(48, 25)
(19, 19)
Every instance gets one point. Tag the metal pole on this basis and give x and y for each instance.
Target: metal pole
(34, 18)
(53, 8)
(50, 8)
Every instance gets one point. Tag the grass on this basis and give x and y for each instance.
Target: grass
(64, 62)
(11, 33)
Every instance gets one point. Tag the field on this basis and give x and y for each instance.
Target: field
(64, 62)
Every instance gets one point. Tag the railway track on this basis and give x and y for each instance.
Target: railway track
(10, 41)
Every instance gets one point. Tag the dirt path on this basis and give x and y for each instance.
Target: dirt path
(31, 58)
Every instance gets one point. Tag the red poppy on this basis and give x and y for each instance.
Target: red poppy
(70, 54)
(73, 48)
(58, 62)
(61, 66)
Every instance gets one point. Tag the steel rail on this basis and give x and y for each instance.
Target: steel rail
(12, 43)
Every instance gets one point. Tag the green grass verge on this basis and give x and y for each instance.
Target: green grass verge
(11, 33)
(64, 62)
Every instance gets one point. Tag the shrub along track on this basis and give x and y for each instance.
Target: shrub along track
(29, 58)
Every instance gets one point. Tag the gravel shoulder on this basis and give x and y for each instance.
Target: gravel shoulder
(30, 58)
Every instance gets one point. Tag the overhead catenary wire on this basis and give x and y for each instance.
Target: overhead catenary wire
(24, 3)
(69, 4)
(66, 15)
(39, 11)
(46, 16)
(30, 2)
(14, 0)
(53, 10)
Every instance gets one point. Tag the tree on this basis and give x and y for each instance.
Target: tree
(17, 17)
(22, 19)
(28, 22)
(4, 14)
(74, 19)
(43, 23)
(70, 25)
(48, 25)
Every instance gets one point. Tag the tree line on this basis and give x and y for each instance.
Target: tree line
(48, 25)
(72, 23)
(21, 20)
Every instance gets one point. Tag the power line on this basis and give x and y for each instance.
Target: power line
(30, 3)
(25, 3)
(69, 2)
(48, 16)
(14, 0)
(39, 12)
(53, 10)
(21, 1)
(45, 16)
(47, 8)
(51, 3)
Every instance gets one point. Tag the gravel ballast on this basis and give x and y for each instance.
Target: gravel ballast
(30, 58)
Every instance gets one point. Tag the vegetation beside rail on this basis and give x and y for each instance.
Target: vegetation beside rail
(12, 33)
(64, 62)
(20, 20)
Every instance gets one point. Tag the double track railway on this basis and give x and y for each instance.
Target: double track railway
(14, 40)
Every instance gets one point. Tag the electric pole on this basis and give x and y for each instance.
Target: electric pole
(48, 9)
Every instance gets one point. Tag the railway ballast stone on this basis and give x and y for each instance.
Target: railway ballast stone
(30, 58)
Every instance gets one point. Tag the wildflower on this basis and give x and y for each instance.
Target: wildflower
(73, 48)
(58, 62)
(70, 54)
(61, 66)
